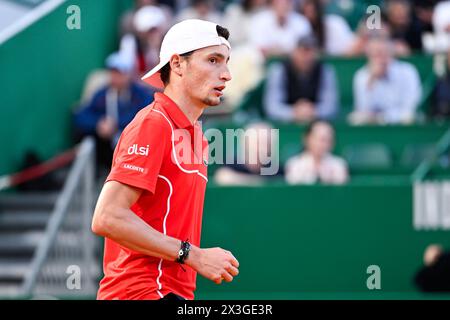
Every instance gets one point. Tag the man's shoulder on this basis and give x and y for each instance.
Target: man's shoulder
(362, 73)
(152, 116)
(403, 66)
(328, 68)
(278, 67)
(336, 21)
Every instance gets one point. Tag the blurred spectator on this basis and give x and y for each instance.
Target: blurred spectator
(275, 31)
(385, 90)
(434, 276)
(302, 88)
(406, 35)
(441, 17)
(257, 150)
(238, 17)
(126, 20)
(333, 33)
(364, 34)
(142, 47)
(111, 108)
(201, 9)
(247, 65)
(423, 12)
(440, 107)
(316, 164)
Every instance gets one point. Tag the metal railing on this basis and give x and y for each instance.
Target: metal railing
(63, 264)
(431, 198)
(425, 166)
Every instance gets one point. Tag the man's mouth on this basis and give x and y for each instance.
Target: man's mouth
(219, 90)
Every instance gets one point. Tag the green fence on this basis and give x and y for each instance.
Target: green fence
(43, 69)
(315, 241)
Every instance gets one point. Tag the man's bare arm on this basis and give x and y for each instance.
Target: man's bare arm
(114, 219)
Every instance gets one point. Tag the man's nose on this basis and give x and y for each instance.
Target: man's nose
(226, 75)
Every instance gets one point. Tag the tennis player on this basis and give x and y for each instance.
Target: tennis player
(151, 205)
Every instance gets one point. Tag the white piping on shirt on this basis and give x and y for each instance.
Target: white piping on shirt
(174, 153)
(165, 232)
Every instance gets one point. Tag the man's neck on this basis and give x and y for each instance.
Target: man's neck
(190, 109)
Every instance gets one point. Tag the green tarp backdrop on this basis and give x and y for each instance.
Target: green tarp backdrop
(42, 71)
(296, 242)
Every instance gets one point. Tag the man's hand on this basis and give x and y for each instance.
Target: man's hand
(114, 219)
(304, 111)
(215, 264)
(106, 128)
(364, 117)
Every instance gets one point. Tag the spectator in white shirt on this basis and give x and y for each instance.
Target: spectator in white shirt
(316, 164)
(332, 31)
(441, 17)
(385, 90)
(247, 64)
(275, 31)
(200, 9)
(238, 17)
(142, 46)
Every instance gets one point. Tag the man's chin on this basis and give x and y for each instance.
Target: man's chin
(212, 102)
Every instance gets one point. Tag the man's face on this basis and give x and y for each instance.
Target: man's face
(398, 13)
(204, 7)
(309, 11)
(304, 58)
(379, 53)
(143, 3)
(282, 7)
(119, 80)
(206, 74)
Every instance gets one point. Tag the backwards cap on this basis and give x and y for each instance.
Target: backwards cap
(183, 37)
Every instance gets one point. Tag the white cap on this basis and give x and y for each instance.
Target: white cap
(119, 62)
(183, 37)
(148, 17)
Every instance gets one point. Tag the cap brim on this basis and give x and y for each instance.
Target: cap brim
(153, 77)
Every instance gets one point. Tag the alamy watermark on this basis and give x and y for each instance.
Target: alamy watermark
(256, 147)
(374, 280)
(373, 20)
(73, 21)
(73, 281)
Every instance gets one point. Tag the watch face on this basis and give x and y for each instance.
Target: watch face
(180, 253)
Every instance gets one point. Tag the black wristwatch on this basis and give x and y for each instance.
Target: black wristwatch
(183, 253)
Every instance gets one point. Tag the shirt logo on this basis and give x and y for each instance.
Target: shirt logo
(132, 167)
(139, 151)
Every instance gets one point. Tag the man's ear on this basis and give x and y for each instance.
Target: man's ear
(175, 64)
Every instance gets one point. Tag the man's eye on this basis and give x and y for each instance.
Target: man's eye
(213, 60)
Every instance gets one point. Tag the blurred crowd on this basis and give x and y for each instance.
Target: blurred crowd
(283, 43)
